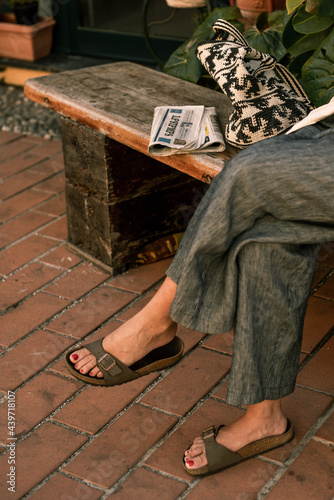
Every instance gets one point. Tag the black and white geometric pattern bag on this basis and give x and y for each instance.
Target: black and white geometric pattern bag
(266, 97)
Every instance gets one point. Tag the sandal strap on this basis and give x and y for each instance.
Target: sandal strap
(113, 370)
(218, 456)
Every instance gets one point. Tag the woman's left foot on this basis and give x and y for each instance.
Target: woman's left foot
(234, 437)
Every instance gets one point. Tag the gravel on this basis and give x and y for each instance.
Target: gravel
(19, 114)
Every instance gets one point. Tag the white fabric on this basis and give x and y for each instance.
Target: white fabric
(315, 116)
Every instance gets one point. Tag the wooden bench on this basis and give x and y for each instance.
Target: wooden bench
(119, 199)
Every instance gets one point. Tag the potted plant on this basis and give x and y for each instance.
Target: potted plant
(26, 11)
(186, 3)
(309, 40)
(250, 9)
(264, 36)
(301, 38)
(25, 37)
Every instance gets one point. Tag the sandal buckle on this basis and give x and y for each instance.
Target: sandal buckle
(106, 363)
(210, 431)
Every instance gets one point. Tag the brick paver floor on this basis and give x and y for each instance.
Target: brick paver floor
(74, 441)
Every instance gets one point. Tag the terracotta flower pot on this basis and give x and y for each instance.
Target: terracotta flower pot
(186, 3)
(28, 43)
(250, 9)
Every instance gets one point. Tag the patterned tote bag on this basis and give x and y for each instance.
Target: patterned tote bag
(266, 97)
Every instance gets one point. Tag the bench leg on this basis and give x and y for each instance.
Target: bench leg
(119, 200)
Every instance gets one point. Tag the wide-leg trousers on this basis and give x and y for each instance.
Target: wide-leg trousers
(247, 258)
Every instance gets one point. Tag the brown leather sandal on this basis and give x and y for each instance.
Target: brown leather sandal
(219, 457)
(116, 373)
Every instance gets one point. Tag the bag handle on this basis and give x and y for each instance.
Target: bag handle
(221, 24)
(287, 77)
(290, 80)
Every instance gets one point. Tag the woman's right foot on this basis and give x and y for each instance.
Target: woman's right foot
(152, 327)
(129, 343)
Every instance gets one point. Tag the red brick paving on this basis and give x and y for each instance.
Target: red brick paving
(118, 448)
(25, 282)
(61, 257)
(55, 206)
(309, 476)
(18, 228)
(21, 202)
(87, 315)
(77, 283)
(19, 254)
(64, 487)
(76, 441)
(43, 392)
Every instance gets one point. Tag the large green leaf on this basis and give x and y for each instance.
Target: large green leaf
(318, 72)
(268, 40)
(308, 42)
(291, 5)
(290, 35)
(276, 19)
(326, 8)
(306, 23)
(183, 63)
(298, 43)
(298, 62)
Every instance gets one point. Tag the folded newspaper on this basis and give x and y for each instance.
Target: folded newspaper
(185, 129)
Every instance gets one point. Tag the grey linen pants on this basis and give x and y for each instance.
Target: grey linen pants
(247, 258)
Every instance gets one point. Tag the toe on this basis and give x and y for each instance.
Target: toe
(196, 449)
(196, 462)
(95, 372)
(86, 364)
(79, 355)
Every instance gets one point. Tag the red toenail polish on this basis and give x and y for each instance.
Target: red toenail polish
(75, 357)
(190, 462)
(187, 452)
(82, 370)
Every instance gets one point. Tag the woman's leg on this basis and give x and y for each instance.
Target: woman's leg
(279, 190)
(274, 282)
(273, 288)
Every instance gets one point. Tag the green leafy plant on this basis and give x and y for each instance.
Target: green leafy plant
(265, 36)
(308, 37)
(301, 38)
(183, 63)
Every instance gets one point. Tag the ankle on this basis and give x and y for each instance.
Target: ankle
(269, 414)
(267, 409)
(160, 335)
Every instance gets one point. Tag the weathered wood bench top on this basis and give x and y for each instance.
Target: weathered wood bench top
(118, 100)
(119, 199)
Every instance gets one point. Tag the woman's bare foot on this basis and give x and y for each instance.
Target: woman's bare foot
(260, 421)
(152, 327)
(128, 343)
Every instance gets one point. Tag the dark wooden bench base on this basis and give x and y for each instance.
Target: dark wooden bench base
(119, 200)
